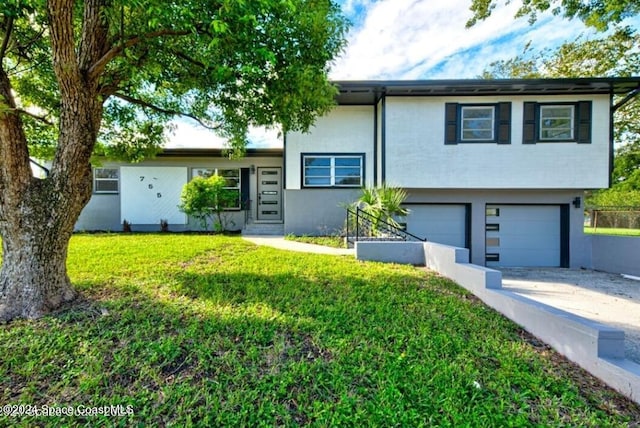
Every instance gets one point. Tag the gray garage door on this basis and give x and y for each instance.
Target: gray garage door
(523, 235)
(444, 224)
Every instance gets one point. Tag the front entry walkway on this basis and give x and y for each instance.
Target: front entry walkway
(283, 244)
(604, 297)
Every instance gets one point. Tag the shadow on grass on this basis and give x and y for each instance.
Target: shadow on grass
(172, 361)
(228, 341)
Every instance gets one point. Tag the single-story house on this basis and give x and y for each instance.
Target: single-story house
(497, 166)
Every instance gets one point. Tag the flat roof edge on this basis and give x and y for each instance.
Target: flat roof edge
(218, 152)
(370, 91)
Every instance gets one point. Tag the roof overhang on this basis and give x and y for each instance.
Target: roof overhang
(217, 152)
(367, 92)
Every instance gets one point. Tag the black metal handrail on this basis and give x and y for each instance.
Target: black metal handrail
(362, 226)
(246, 207)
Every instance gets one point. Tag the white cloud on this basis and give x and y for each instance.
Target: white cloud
(189, 135)
(185, 134)
(264, 137)
(417, 39)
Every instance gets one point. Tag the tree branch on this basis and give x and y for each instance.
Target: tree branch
(15, 70)
(112, 86)
(14, 155)
(42, 119)
(158, 109)
(97, 68)
(189, 59)
(7, 37)
(93, 42)
(64, 58)
(21, 50)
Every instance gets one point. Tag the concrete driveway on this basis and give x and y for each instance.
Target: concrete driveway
(607, 298)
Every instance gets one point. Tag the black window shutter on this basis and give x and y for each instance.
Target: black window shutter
(451, 123)
(529, 121)
(584, 122)
(244, 188)
(504, 123)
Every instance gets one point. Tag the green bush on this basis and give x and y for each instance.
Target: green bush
(205, 199)
(614, 198)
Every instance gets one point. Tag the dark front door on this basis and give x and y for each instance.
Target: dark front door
(270, 193)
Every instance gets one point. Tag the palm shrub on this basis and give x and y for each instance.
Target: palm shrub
(205, 199)
(382, 203)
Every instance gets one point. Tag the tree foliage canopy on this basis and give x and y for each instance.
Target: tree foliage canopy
(228, 64)
(599, 14)
(78, 77)
(616, 54)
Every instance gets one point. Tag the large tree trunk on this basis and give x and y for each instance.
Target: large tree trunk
(35, 239)
(37, 216)
(36, 222)
(33, 279)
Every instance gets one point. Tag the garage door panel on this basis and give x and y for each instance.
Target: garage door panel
(515, 256)
(526, 236)
(454, 239)
(526, 226)
(444, 224)
(527, 241)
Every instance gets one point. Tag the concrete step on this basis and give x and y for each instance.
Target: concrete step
(263, 229)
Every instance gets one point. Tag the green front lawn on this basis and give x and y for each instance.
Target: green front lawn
(214, 331)
(328, 241)
(611, 231)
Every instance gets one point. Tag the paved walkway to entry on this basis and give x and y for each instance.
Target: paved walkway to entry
(604, 297)
(284, 244)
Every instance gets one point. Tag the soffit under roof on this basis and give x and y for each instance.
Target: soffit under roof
(218, 153)
(369, 92)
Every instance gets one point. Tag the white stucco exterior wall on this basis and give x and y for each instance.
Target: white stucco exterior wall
(417, 157)
(103, 212)
(346, 129)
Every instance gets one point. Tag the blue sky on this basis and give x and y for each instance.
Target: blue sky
(427, 39)
(418, 39)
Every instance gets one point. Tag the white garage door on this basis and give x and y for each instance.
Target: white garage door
(444, 224)
(523, 235)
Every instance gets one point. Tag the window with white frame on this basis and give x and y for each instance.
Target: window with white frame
(231, 176)
(556, 122)
(477, 123)
(563, 122)
(106, 180)
(333, 170)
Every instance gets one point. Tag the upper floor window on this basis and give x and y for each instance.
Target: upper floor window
(231, 176)
(106, 180)
(556, 122)
(333, 170)
(478, 123)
